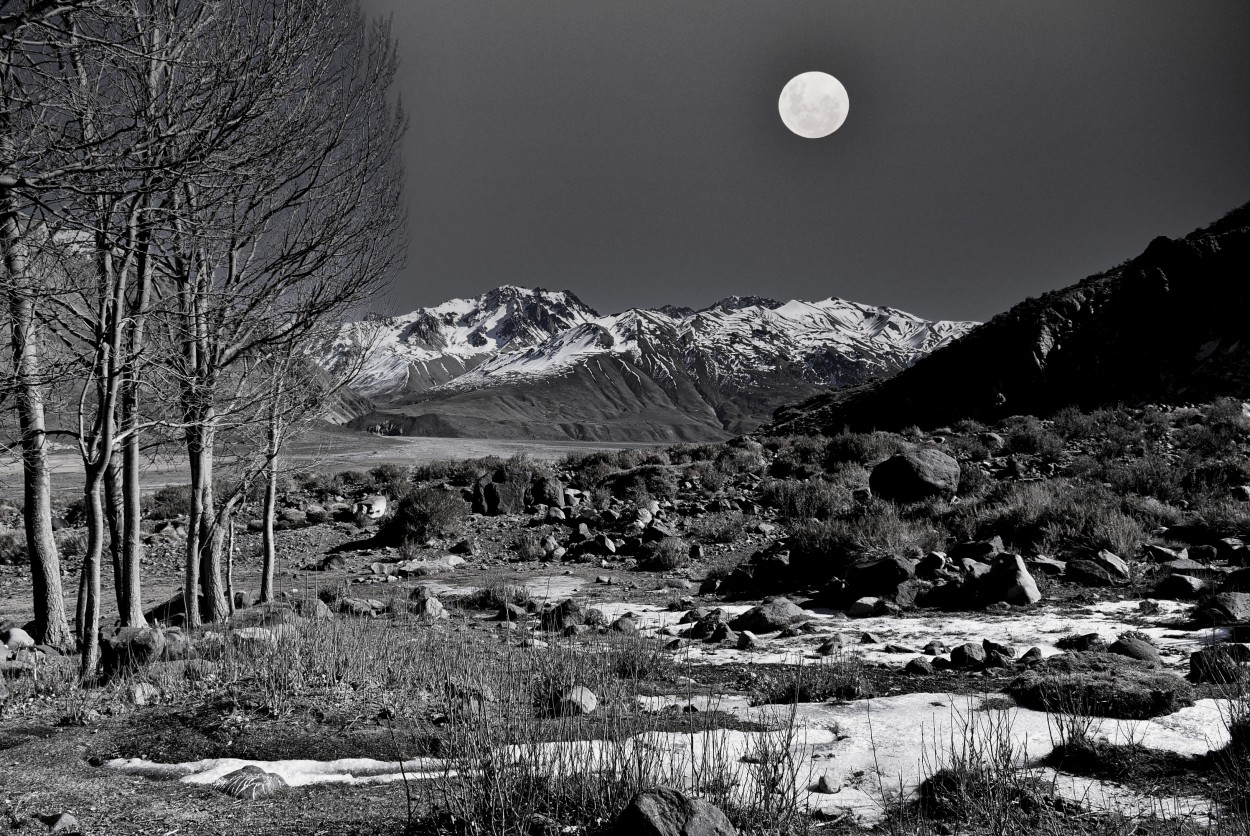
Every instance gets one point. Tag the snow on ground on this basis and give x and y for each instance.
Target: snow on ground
(867, 751)
(1041, 628)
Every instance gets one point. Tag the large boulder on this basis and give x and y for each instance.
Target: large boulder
(915, 475)
(1008, 580)
(547, 490)
(1225, 608)
(250, 783)
(1223, 664)
(1100, 685)
(878, 576)
(770, 616)
(130, 648)
(667, 812)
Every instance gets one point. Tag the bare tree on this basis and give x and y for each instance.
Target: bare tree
(295, 225)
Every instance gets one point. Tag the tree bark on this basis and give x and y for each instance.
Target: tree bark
(113, 504)
(45, 564)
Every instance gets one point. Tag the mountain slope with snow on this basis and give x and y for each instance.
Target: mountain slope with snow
(538, 364)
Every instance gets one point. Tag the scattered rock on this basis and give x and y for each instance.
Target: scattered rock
(668, 812)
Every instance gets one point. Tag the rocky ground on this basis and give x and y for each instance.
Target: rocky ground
(858, 604)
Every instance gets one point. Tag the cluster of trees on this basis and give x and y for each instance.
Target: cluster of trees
(193, 195)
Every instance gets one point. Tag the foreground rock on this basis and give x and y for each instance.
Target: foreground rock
(915, 475)
(250, 783)
(1101, 685)
(770, 616)
(667, 812)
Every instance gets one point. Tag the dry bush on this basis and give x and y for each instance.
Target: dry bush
(811, 499)
(668, 554)
(860, 448)
(12, 547)
(389, 480)
(425, 513)
(722, 527)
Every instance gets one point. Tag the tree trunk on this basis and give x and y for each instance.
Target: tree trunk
(269, 548)
(130, 600)
(89, 604)
(45, 563)
(113, 511)
(230, 568)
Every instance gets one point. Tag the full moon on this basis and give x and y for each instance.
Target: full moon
(813, 104)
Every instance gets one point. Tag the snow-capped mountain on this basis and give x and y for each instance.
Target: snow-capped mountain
(429, 346)
(521, 363)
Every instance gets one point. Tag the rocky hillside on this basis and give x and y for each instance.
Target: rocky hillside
(1167, 325)
(516, 363)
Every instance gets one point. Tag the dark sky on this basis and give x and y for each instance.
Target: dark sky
(631, 150)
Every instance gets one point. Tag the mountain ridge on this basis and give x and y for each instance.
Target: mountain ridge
(496, 363)
(1167, 325)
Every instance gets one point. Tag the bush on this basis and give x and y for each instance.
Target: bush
(168, 503)
(668, 554)
(1057, 515)
(425, 513)
(1030, 437)
(644, 482)
(723, 527)
(812, 499)
(860, 448)
(389, 480)
(838, 677)
(12, 547)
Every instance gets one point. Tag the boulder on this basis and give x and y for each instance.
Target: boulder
(1135, 647)
(1100, 685)
(880, 576)
(977, 549)
(577, 701)
(865, 607)
(547, 490)
(130, 648)
(1225, 608)
(667, 812)
(1088, 573)
(1179, 588)
(915, 475)
(1223, 664)
(1112, 562)
(15, 638)
(250, 783)
(1008, 580)
(770, 616)
(968, 656)
(920, 666)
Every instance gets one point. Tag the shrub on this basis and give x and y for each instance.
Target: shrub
(860, 448)
(812, 499)
(389, 480)
(1030, 437)
(644, 482)
(838, 677)
(668, 554)
(528, 547)
(1055, 515)
(723, 527)
(168, 502)
(424, 513)
(12, 547)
